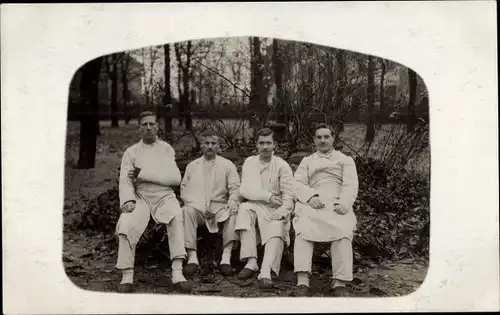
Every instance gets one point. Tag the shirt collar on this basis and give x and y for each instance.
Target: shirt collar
(149, 145)
(328, 154)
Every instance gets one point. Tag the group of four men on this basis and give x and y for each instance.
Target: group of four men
(255, 209)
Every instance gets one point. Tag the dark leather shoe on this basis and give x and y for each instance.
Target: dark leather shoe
(125, 288)
(190, 270)
(265, 283)
(245, 274)
(340, 292)
(183, 287)
(301, 290)
(226, 270)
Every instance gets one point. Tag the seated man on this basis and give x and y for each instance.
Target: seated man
(148, 170)
(266, 183)
(326, 188)
(210, 193)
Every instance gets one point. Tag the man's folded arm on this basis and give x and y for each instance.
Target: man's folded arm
(250, 189)
(126, 188)
(303, 192)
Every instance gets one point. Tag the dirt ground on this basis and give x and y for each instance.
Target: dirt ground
(89, 258)
(89, 262)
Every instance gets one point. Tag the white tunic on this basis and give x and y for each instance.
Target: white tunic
(152, 190)
(208, 186)
(259, 181)
(333, 177)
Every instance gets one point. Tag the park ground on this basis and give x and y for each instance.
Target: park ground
(89, 257)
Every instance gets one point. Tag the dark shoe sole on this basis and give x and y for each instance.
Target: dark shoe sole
(266, 284)
(245, 274)
(226, 270)
(301, 291)
(183, 287)
(340, 292)
(125, 288)
(190, 270)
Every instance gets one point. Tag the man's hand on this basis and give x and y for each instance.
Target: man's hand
(133, 174)
(278, 215)
(209, 215)
(340, 209)
(233, 207)
(128, 206)
(316, 203)
(275, 201)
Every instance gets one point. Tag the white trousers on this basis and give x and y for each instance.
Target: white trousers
(273, 250)
(175, 233)
(194, 218)
(340, 252)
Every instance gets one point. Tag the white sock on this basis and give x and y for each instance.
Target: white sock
(303, 278)
(192, 257)
(127, 276)
(252, 264)
(338, 283)
(265, 272)
(226, 253)
(177, 275)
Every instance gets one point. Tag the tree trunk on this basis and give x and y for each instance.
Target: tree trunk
(278, 77)
(167, 101)
(179, 84)
(113, 75)
(124, 73)
(339, 97)
(185, 88)
(381, 93)
(89, 119)
(257, 102)
(370, 127)
(412, 118)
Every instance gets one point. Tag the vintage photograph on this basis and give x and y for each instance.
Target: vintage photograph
(247, 167)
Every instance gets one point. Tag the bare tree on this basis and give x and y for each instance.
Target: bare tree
(177, 49)
(89, 119)
(153, 55)
(112, 71)
(412, 82)
(145, 77)
(258, 101)
(370, 127)
(184, 76)
(278, 78)
(125, 64)
(339, 96)
(381, 92)
(167, 101)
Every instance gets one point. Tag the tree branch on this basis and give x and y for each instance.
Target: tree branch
(222, 76)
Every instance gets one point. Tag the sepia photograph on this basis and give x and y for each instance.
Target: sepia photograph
(251, 157)
(247, 167)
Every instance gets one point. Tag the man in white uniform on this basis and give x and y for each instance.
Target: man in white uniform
(326, 188)
(148, 171)
(267, 185)
(210, 191)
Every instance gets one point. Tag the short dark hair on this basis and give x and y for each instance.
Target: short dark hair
(144, 114)
(209, 133)
(323, 126)
(264, 132)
